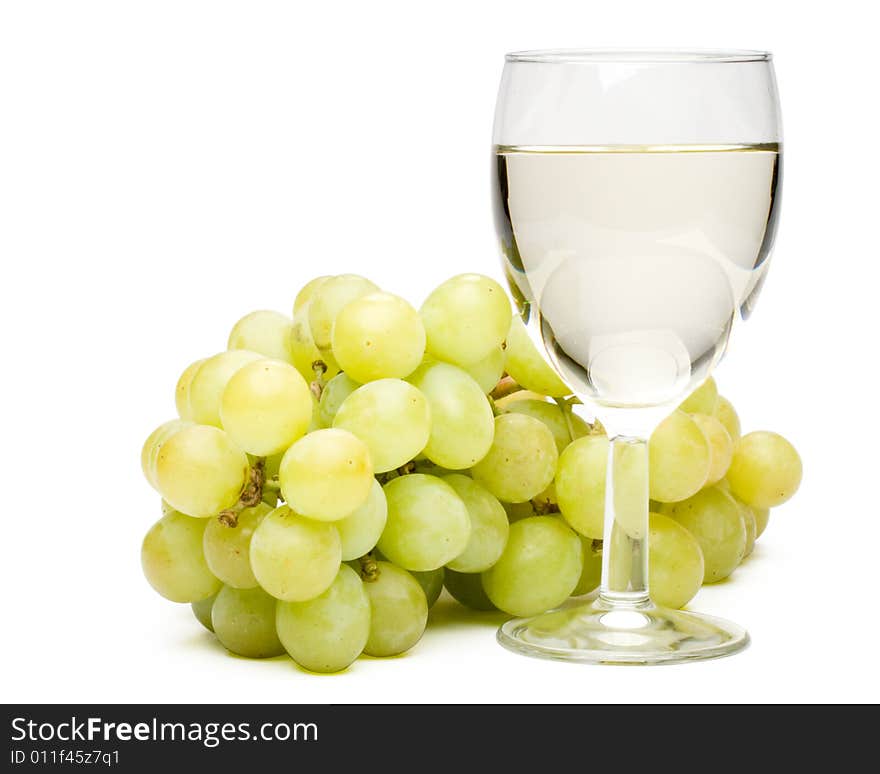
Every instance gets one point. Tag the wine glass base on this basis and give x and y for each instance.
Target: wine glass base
(594, 633)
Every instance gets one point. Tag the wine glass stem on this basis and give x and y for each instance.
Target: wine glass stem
(625, 546)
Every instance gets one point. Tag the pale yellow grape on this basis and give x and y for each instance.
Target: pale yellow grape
(675, 562)
(378, 336)
(766, 469)
(294, 558)
(431, 582)
(332, 396)
(206, 388)
(153, 444)
(326, 475)
(713, 517)
(202, 611)
(762, 517)
(466, 318)
(553, 416)
(521, 461)
(329, 299)
(726, 414)
(527, 366)
(398, 611)
(308, 291)
(489, 527)
(428, 523)
(181, 391)
(751, 527)
(227, 549)
(703, 400)
(467, 589)
(591, 574)
(304, 353)
(327, 633)
(266, 406)
(244, 622)
(488, 371)
(720, 446)
(539, 569)
(503, 404)
(679, 458)
(200, 471)
(173, 562)
(580, 485)
(264, 331)
(462, 423)
(517, 511)
(360, 530)
(391, 417)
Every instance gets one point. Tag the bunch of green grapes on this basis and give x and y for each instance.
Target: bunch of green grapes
(330, 472)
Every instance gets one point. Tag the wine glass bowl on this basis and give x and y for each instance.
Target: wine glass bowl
(636, 201)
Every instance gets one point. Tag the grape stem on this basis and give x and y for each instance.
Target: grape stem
(369, 568)
(251, 496)
(317, 384)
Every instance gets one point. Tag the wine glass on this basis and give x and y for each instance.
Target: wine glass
(637, 194)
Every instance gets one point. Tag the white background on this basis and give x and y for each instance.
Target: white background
(166, 167)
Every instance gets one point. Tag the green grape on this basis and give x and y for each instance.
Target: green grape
(720, 446)
(591, 574)
(465, 319)
(462, 423)
(726, 414)
(153, 444)
(675, 562)
(308, 291)
(522, 459)
(715, 520)
(208, 383)
(265, 332)
(553, 416)
(398, 611)
(181, 391)
(200, 471)
(679, 459)
(173, 562)
(326, 475)
(360, 531)
(526, 365)
(503, 404)
(546, 501)
(327, 633)
(244, 622)
(378, 336)
(202, 611)
(489, 527)
(751, 523)
(431, 582)
(539, 569)
(517, 511)
(703, 400)
(294, 558)
(580, 485)
(329, 299)
(227, 549)
(332, 397)
(391, 417)
(762, 516)
(488, 371)
(305, 354)
(266, 406)
(467, 589)
(765, 471)
(428, 524)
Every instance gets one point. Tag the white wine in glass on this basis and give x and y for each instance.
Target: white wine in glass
(636, 194)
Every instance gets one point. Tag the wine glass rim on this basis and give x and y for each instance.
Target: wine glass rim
(638, 56)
